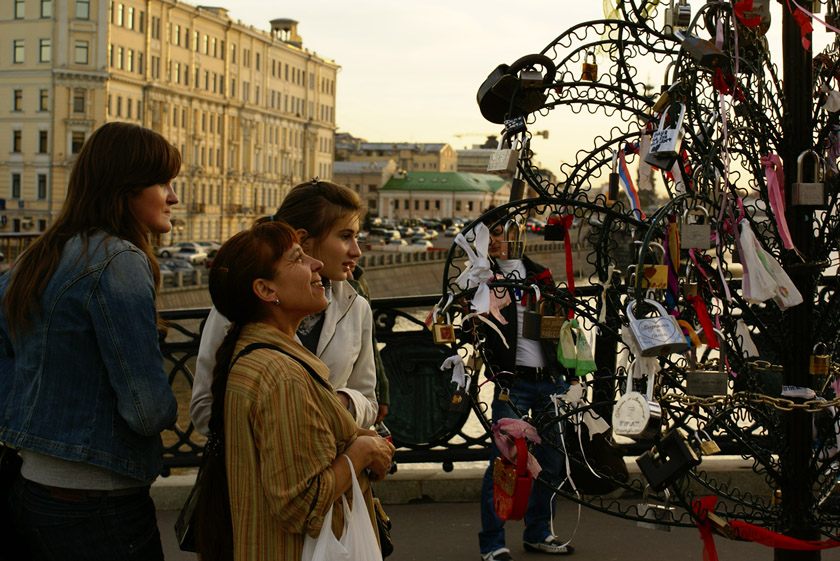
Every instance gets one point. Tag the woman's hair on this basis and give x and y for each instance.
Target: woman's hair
(244, 258)
(116, 163)
(316, 205)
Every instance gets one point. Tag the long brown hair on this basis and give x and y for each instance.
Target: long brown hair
(117, 162)
(244, 258)
(316, 205)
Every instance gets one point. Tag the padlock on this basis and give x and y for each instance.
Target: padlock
(708, 447)
(655, 276)
(612, 192)
(555, 230)
(706, 383)
(459, 403)
(636, 415)
(704, 51)
(655, 517)
(550, 325)
(820, 363)
(658, 335)
(677, 16)
(589, 72)
(442, 333)
(504, 395)
(695, 235)
(809, 194)
(531, 317)
(503, 160)
(668, 460)
(666, 142)
(512, 246)
(502, 93)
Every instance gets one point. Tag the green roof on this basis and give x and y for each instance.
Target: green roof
(444, 181)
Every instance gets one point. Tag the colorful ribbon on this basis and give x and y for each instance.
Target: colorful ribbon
(775, 175)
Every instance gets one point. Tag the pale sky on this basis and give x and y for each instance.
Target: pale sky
(412, 73)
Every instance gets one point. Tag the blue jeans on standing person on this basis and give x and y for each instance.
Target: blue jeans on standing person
(105, 528)
(534, 397)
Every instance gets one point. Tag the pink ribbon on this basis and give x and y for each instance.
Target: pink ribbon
(775, 175)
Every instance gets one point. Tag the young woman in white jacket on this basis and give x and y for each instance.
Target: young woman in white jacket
(326, 217)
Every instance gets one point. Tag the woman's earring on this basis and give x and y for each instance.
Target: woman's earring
(276, 301)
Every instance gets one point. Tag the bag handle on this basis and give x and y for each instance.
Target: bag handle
(255, 346)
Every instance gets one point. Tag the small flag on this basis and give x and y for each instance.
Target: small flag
(629, 188)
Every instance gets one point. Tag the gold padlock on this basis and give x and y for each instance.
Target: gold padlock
(707, 446)
(655, 276)
(589, 71)
(550, 325)
(504, 395)
(820, 363)
(443, 332)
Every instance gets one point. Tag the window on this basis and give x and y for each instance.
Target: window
(17, 100)
(155, 27)
(139, 110)
(78, 139)
(233, 54)
(78, 100)
(42, 142)
(130, 22)
(177, 72)
(177, 35)
(195, 40)
(43, 100)
(15, 186)
(82, 9)
(120, 58)
(405, 205)
(17, 50)
(119, 106)
(45, 50)
(257, 60)
(20, 9)
(140, 68)
(42, 186)
(204, 41)
(141, 22)
(215, 48)
(130, 61)
(120, 20)
(128, 108)
(46, 8)
(80, 52)
(458, 206)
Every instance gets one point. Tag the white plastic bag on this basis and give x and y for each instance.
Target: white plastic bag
(358, 541)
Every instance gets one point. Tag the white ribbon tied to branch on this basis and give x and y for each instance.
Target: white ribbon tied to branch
(478, 269)
(459, 375)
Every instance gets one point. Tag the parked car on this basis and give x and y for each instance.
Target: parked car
(452, 231)
(195, 256)
(176, 266)
(422, 243)
(169, 250)
(210, 247)
(397, 241)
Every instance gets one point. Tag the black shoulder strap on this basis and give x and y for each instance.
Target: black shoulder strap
(254, 346)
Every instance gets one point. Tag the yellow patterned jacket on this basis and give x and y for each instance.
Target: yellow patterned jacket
(282, 431)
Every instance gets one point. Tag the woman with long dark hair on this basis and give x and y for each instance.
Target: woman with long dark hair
(278, 430)
(84, 393)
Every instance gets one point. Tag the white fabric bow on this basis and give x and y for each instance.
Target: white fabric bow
(459, 375)
(478, 269)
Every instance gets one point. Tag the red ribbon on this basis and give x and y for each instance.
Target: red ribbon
(804, 22)
(705, 320)
(741, 8)
(570, 267)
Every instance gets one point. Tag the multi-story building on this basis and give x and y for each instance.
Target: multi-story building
(431, 194)
(366, 178)
(251, 111)
(408, 156)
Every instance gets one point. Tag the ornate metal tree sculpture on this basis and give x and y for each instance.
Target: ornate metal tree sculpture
(724, 117)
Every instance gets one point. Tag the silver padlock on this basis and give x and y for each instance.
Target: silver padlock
(636, 415)
(658, 335)
(655, 517)
(512, 246)
(809, 194)
(503, 160)
(677, 16)
(695, 235)
(702, 382)
(666, 142)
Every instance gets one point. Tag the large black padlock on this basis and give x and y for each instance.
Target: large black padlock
(704, 52)
(555, 230)
(669, 460)
(502, 93)
(532, 317)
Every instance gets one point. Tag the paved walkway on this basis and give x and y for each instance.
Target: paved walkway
(448, 531)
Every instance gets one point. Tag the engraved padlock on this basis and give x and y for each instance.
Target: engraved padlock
(696, 235)
(636, 415)
(550, 324)
(512, 245)
(667, 140)
(704, 382)
(655, 517)
(658, 335)
(670, 459)
(820, 362)
(504, 159)
(589, 70)
(809, 194)
(443, 331)
(531, 317)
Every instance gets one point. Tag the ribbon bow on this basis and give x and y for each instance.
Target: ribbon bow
(459, 375)
(478, 269)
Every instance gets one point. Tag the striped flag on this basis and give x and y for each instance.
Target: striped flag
(629, 188)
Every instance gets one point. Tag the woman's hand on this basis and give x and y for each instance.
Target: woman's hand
(381, 455)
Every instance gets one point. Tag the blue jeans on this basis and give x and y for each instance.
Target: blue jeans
(527, 396)
(102, 528)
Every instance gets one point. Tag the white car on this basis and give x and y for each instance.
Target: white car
(169, 250)
(421, 243)
(195, 256)
(452, 231)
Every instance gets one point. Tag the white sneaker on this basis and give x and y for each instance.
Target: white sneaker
(551, 545)
(498, 555)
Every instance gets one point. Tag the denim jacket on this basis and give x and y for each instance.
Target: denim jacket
(86, 382)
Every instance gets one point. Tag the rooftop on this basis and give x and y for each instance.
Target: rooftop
(444, 181)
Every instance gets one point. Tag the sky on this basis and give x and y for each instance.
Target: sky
(411, 73)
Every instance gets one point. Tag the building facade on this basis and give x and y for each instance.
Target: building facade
(252, 112)
(366, 178)
(440, 195)
(408, 156)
